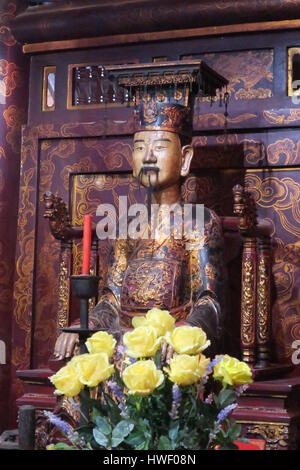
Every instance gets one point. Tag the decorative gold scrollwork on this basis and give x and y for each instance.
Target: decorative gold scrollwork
(63, 295)
(262, 301)
(275, 435)
(247, 329)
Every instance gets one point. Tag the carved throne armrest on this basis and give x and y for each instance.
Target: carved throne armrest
(56, 211)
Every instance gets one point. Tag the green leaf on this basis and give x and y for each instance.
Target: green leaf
(103, 425)
(235, 431)
(164, 443)
(157, 358)
(121, 431)
(84, 396)
(135, 438)
(86, 431)
(173, 431)
(118, 379)
(223, 433)
(100, 438)
(226, 397)
(95, 413)
(63, 446)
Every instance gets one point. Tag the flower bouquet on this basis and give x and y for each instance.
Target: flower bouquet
(155, 390)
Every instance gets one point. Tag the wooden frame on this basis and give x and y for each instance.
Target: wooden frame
(117, 39)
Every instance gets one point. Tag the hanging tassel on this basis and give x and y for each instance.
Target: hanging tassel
(114, 95)
(220, 100)
(126, 96)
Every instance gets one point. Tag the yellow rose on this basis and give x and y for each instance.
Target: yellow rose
(141, 342)
(187, 340)
(66, 381)
(101, 342)
(231, 371)
(142, 377)
(187, 370)
(93, 368)
(160, 320)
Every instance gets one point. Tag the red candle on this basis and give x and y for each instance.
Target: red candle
(87, 240)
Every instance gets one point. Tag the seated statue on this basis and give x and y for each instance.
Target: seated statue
(161, 271)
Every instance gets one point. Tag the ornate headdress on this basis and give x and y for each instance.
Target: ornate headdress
(164, 93)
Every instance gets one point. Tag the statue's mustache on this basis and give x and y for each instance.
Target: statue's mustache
(146, 170)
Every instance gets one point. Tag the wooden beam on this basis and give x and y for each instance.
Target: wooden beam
(85, 43)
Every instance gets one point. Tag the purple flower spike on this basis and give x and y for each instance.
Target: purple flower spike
(176, 393)
(132, 360)
(225, 412)
(62, 425)
(213, 364)
(116, 390)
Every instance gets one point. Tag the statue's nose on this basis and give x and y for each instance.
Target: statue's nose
(150, 157)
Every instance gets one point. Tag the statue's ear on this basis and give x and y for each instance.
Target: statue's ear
(187, 155)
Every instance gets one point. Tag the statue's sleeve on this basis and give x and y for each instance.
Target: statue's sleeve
(107, 311)
(207, 279)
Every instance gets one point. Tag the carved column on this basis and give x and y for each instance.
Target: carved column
(244, 208)
(263, 321)
(248, 307)
(65, 271)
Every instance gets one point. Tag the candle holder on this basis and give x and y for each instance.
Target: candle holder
(84, 287)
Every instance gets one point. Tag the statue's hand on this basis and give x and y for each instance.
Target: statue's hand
(65, 345)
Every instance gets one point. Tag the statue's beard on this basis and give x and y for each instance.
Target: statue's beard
(147, 171)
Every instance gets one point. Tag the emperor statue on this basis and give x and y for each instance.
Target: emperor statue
(163, 271)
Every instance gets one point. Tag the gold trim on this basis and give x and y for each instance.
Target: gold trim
(46, 71)
(85, 43)
(271, 169)
(74, 193)
(245, 394)
(241, 421)
(159, 59)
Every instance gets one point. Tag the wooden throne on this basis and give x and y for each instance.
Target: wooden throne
(267, 410)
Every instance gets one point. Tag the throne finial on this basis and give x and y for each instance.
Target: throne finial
(244, 207)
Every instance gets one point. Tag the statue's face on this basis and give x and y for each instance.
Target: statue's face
(159, 159)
